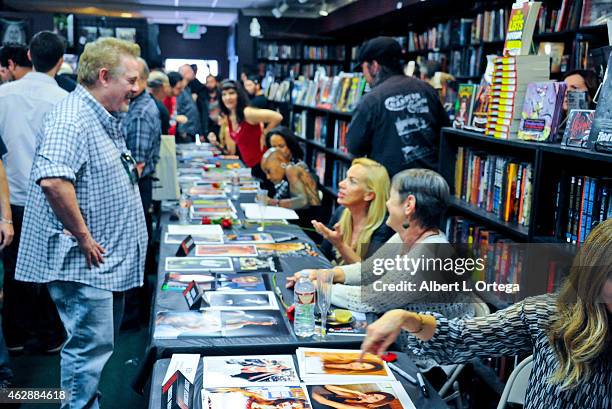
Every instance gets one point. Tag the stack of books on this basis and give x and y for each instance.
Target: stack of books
(510, 78)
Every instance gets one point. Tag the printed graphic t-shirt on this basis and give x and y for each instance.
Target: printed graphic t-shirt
(398, 124)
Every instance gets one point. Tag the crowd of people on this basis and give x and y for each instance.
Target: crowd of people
(78, 159)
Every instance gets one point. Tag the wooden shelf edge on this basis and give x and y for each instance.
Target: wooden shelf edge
(512, 229)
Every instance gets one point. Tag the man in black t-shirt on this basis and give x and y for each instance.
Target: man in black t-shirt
(397, 123)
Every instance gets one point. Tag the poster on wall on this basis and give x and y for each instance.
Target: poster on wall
(126, 33)
(106, 31)
(13, 31)
(63, 25)
(87, 34)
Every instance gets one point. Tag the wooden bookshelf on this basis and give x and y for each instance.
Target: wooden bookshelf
(550, 161)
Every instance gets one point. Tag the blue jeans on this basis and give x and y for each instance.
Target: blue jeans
(88, 315)
(6, 374)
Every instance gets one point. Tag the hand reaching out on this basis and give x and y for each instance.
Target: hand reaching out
(333, 236)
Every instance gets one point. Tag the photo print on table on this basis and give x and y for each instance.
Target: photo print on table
(258, 264)
(231, 250)
(249, 370)
(253, 397)
(197, 239)
(199, 264)
(326, 365)
(240, 282)
(231, 300)
(219, 323)
(380, 395)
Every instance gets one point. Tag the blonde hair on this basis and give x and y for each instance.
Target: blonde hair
(580, 334)
(104, 53)
(159, 77)
(377, 181)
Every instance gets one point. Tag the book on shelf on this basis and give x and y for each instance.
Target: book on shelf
(595, 12)
(504, 264)
(339, 93)
(490, 25)
(324, 52)
(320, 130)
(299, 124)
(578, 128)
(436, 37)
(521, 25)
(319, 166)
(580, 53)
(496, 184)
(339, 173)
(278, 91)
(340, 131)
(601, 132)
(577, 100)
(511, 75)
(587, 203)
(465, 104)
(542, 111)
(482, 99)
(555, 52)
(273, 50)
(466, 62)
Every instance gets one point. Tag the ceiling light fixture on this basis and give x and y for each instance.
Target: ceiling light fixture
(302, 1)
(323, 11)
(278, 11)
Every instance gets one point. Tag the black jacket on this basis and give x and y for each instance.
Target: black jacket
(398, 125)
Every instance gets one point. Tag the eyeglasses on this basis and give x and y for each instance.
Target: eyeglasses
(129, 164)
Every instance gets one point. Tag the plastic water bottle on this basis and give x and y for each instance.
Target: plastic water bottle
(184, 204)
(304, 297)
(235, 186)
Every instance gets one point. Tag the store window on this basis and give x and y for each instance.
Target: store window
(205, 67)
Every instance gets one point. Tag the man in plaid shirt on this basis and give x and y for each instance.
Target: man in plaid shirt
(142, 130)
(84, 230)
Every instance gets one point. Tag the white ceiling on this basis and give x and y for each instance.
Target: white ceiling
(208, 12)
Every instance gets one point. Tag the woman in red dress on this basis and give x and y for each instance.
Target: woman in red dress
(243, 127)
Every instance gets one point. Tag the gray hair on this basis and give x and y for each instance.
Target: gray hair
(143, 73)
(430, 190)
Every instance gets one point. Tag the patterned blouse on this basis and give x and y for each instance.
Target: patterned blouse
(518, 329)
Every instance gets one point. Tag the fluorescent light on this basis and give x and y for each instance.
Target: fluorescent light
(323, 11)
(278, 11)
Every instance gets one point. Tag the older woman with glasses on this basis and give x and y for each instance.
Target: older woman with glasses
(418, 200)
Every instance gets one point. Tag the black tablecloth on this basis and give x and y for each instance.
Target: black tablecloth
(433, 402)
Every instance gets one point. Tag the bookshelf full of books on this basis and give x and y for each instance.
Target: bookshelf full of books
(291, 59)
(527, 191)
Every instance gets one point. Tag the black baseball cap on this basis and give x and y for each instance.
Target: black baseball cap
(382, 49)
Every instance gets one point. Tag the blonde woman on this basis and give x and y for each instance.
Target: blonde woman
(357, 227)
(569, 333)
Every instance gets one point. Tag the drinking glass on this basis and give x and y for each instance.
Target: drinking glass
(325, 280)
(262, 200)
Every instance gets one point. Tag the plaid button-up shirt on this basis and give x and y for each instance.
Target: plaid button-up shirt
(80, 141)
(142, 129)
